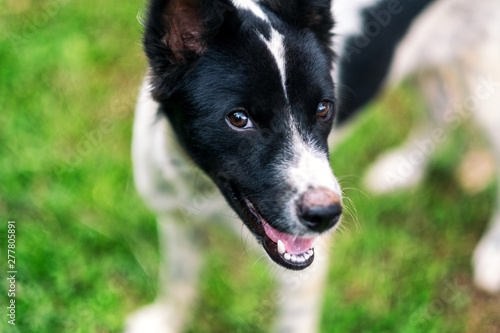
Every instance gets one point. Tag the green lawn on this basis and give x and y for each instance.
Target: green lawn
(86, 249)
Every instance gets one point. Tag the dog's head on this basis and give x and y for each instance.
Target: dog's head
(247, 88)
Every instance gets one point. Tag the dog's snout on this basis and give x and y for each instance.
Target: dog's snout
(319, 209)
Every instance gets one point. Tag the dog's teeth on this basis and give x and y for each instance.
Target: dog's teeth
(306, 256)
(288, 256)
(310, 252)
(281, 247)
(294, 258)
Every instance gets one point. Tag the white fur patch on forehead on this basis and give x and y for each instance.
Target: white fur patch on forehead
(251, 6)
(277, 48)
(274, 44)
(310, 168)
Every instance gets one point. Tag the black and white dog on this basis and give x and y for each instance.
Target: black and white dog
(244, 90)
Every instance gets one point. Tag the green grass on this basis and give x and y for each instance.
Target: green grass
(87, 253)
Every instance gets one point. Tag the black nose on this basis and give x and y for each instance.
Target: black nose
(319, 209)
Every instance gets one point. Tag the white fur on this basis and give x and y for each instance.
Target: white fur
(301, 293)
(163, 173)
(275, 44)
(277, 49)
(149, 152)
(486, 259)
(251, 6)
(311, 167)
(469, 25)
(400, 168)
(154, 318)
(348, 22)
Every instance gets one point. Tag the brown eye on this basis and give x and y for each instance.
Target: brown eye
(323, 110)
(239, 119)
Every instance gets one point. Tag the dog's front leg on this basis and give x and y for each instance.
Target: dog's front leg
(484, 87)
(181, 260)
(301, 294)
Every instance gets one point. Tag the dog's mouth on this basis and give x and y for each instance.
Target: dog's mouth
(290, 251)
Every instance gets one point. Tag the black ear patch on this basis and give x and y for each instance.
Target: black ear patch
(313, 15)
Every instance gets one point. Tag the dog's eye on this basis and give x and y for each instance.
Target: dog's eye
(239, 119)
(324, 110)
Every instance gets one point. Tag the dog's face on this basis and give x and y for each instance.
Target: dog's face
(247, 88)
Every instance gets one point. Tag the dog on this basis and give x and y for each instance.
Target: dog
(233, 122)
(458, 77)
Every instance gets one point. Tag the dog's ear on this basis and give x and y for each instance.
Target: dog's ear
(313, 15)
(177, 32)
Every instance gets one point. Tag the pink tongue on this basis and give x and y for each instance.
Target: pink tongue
(293, 244)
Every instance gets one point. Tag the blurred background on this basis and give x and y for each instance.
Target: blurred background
(86, 246)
